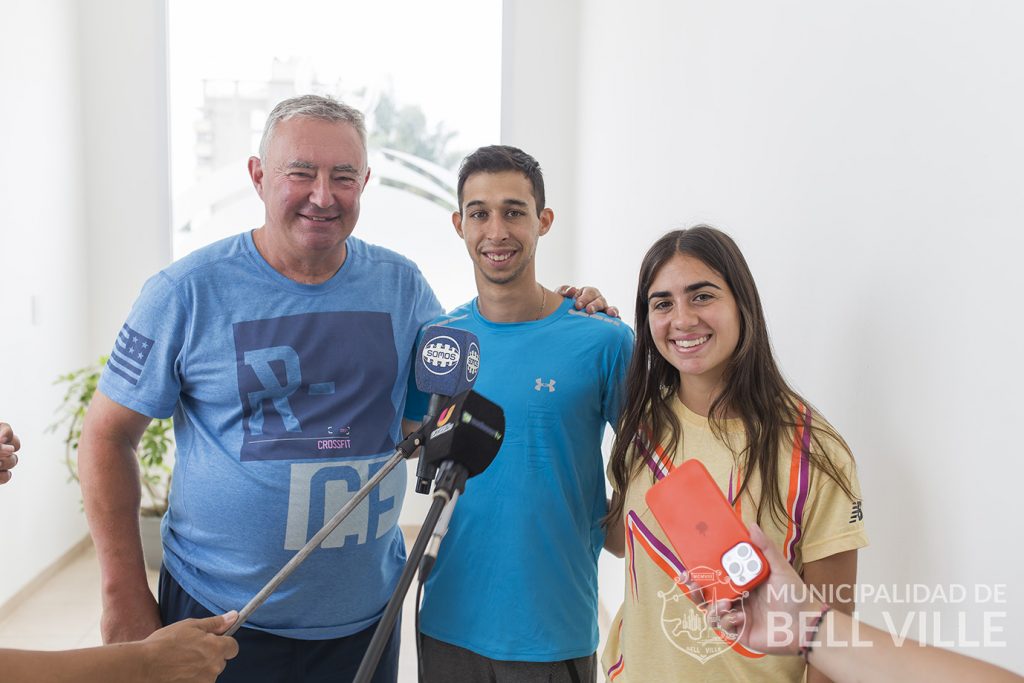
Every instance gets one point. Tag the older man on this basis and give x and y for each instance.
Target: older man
(283, 354)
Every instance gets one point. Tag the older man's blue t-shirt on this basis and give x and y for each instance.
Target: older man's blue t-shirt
(286, 399)
(516, 575)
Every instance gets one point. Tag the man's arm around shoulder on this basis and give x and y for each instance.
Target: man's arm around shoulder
(109, 473)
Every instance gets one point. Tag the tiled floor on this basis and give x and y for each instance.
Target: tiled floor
(64, 613)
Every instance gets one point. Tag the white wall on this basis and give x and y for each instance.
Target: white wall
(83, 221)
(539, 83)
(867, 158)
(123, 76)
(43, 286)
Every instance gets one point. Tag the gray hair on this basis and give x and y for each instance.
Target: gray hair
(322, 107)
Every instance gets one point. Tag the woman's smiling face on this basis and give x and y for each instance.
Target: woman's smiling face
(693, 318)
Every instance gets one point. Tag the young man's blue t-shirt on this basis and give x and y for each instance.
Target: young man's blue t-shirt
(516, 575)
(286, 399)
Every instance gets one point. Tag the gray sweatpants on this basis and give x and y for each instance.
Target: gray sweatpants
(445, 663)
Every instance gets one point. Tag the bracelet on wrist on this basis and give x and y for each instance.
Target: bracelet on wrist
(805, 649)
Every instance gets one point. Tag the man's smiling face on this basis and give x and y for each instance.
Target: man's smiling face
(500, 225)
(311, 182)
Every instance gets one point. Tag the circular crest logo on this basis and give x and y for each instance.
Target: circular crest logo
(441, 355)
(472, 362)
(684, 617)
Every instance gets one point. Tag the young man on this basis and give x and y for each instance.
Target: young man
(283, 353)
(513, 595)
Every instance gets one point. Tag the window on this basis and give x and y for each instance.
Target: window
(427, 75)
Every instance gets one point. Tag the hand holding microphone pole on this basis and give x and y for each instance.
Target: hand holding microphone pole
(447, 363)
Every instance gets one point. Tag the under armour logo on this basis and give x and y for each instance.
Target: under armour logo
(550, 386)
(857, 514)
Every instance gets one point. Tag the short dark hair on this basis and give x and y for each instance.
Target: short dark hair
(500, 158)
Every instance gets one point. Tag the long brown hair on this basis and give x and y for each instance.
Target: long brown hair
(754, 389)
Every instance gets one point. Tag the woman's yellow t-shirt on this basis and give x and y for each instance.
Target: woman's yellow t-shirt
(659, 634)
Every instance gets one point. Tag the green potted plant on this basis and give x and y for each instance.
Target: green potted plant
(154, 452)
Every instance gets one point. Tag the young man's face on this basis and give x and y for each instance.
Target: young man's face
(500, 225)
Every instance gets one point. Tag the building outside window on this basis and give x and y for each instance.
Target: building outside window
(427, 76)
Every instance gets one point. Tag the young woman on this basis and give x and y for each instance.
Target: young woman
(703, 384)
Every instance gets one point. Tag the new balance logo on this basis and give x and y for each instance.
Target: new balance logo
(550, 386)
(857, 514)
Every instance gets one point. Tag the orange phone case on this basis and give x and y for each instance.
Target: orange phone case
(706, 533)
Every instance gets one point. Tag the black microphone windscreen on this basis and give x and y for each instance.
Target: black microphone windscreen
(469, 430)
(448, 361)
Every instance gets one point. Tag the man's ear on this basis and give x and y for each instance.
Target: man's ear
(547, 217)
(256, 174)
(457, 222)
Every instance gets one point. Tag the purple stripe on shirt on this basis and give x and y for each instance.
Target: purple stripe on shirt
(804, 486)
(661, 547)
(632, 562)
(652, 462)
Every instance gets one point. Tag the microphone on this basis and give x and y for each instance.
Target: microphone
(466, 436)
(447, 364)
(469, 431)
(430, 556)
(465, 440)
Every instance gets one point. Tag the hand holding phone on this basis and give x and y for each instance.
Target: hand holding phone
(706, 533)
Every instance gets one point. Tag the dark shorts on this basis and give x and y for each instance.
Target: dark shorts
(445, 663)
(266, 658)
